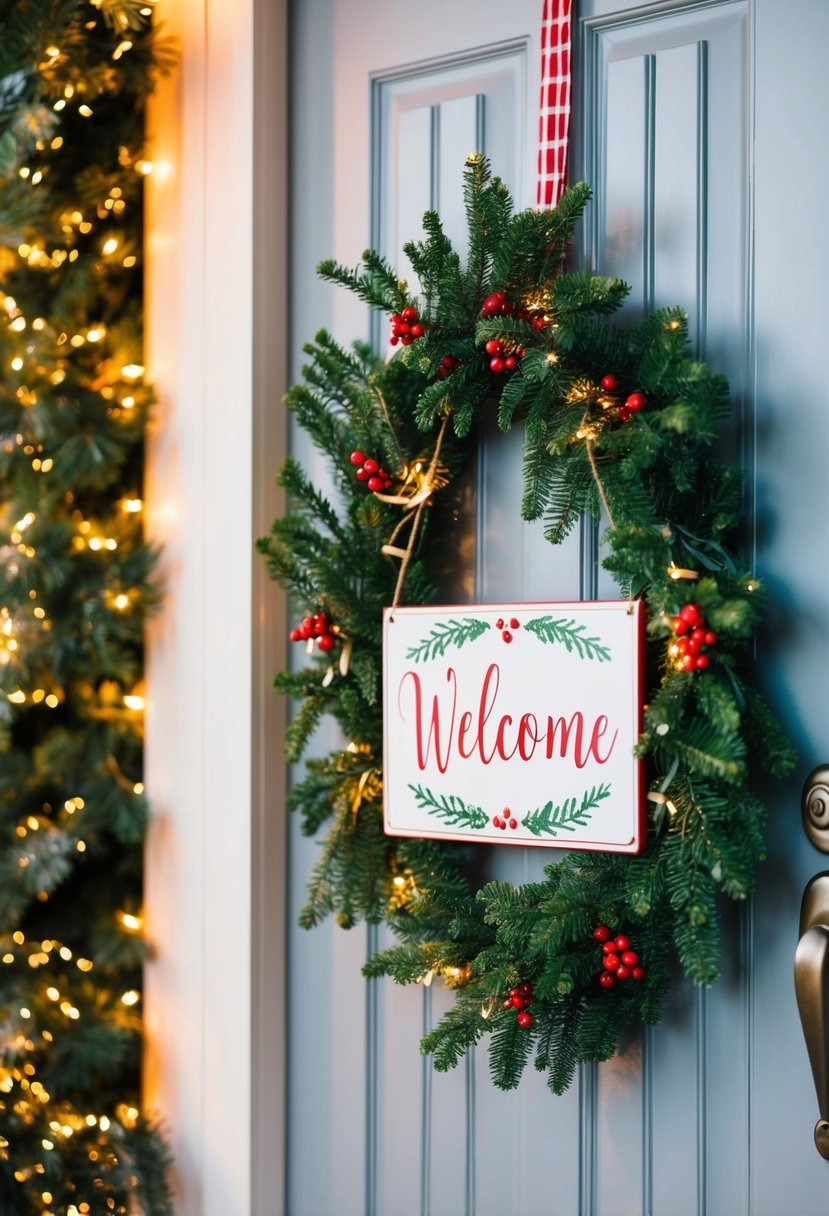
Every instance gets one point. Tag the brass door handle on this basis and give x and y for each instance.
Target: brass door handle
(811, 981)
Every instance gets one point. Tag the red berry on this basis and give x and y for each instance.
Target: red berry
(694, 644)
(630, 958)
(635, 402)
(370, 467)
(710, 638)
(506, 635)
(607, 979)
(403, 328)
(496, 822)
(296, 635)
(326, 642)
(514, 992)
(518, 1002)
(493, 302)
(701, 662)
(609, 947)
(682, 645)
(320, 624)
(493, 347)
(307, 626)
(611, 962)
(510, 362)
(690, 614)
(443, 371)
(623, 972)
(507, 1004)
(524, 1020)
(499, 624)
(387, 484)
(602, 933)
(638, 973)
(375, 484)
(514, 624)
(417, 331)
(680, 627)
(396, 319)
(361, 475)
(608, 383)
(698, 636)
(357, 457)
(450, 361)
(688, 662)
(624, 414)
(409, 313)
(513, 824)
(622, 942)
(526, 989)
(497, 364)
(539, 323)
(407, 339)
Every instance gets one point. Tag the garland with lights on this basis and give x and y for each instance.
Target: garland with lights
(619, 422)
(75, 588)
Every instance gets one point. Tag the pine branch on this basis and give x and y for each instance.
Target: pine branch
(570, 635)
(452, 809)
(452, 633)
(550, 819)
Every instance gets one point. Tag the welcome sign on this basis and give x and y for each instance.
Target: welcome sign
(515, 724)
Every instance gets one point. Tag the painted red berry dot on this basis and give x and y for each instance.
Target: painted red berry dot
(607, 979)
(506, 635)
(701, 662)
(602, 933)
(638, 973)
(417, 331)
(326, 642)
(496, 822)
(622, 942)
(608, 383)
(513, 824)
(357, 457)
(611, 962)
(622, 972)
(375, 484)
(514, 623)
(630, 958)
(635, 403)
(409, 313)
(499, 624)
(503, 825)
(497, 365)
(524, 1020)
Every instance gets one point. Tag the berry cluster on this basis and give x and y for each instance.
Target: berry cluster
(633, 403)
(502, 360)
(369, 471)
(448, 365)
(502, 625)
(694, 639)
(318, 628)
(406, 326)
(497, 305)
(619, 962)
(520, 999)
(505, 820)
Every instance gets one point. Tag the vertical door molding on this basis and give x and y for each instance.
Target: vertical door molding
(216, 282)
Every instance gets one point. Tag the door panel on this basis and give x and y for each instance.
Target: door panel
(697, 125)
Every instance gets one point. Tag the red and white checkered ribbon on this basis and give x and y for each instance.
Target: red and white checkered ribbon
(554, 118)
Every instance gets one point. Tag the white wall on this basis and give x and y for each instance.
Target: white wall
(215, 351)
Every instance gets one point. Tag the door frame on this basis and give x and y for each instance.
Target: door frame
(216, 342)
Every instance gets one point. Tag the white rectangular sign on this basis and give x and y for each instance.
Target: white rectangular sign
(515, 724)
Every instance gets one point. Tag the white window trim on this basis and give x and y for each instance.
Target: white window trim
(216, 352)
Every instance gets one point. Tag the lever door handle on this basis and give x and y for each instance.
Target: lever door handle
(811, 981)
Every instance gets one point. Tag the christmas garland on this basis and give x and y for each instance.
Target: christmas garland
(76, 585)
(619, 423)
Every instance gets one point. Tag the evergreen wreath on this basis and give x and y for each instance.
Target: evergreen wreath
(619, 423)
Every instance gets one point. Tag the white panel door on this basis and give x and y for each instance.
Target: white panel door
(698, 124)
